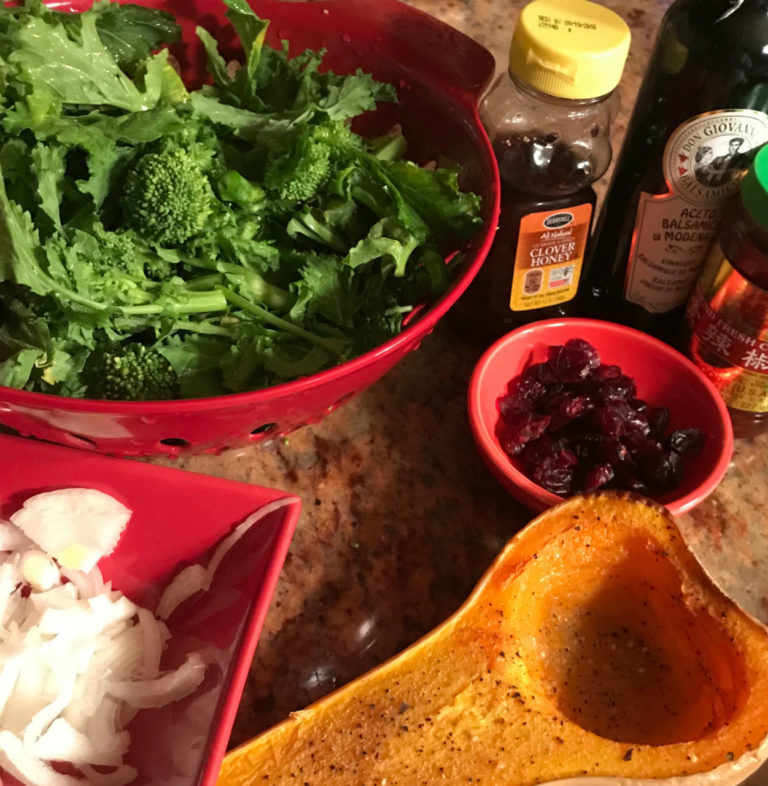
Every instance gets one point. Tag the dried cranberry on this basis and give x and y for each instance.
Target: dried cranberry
(542, 372)
(613, 451)
(620, 387)
(636, 422)
(686, 440)
(566, 458)
(607, 372)
(539, 450)
(553, 390)
(576, 406)
(579, 431)
(598, 475)
(641, 443)
(551, 403)
(570, 364)
(661, 471)
(586, 451)
(586, 349)
(627, 478)
(553, 478)
(558, 422)
(511, 407)
(658, 419)
(530, 389)
(608, 421)
(521, 431)
(565, 407)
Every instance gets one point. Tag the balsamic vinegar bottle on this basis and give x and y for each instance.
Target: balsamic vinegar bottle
(699, 120)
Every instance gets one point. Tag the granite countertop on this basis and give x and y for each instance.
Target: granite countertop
(400, 517)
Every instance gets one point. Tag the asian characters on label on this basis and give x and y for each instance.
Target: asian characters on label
(728, 319)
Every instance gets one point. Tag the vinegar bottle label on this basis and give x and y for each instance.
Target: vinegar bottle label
(550, 252)
(702, 165)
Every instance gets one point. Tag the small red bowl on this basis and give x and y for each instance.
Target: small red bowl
(664, 377)
(178, 519)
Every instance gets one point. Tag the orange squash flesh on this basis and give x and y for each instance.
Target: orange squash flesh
(594, 645)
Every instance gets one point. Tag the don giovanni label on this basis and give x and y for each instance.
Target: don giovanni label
(703, 162)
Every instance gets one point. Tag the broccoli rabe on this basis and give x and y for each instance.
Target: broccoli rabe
(241, 231)
(302, 163)
(127, 252)
(130, 372)
(168, 196)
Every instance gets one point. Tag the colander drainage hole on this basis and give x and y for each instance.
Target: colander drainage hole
(174, 442)
(263, 429)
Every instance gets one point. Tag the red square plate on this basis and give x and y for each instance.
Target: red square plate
(178, 518)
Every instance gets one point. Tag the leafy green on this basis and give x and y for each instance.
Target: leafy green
(81, 72)
(436, 197)
(157, 242)
(48, 167)
(132, 32)
(251, 31)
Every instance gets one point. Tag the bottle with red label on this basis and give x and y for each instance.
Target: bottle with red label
(728, 311)
(549, 121)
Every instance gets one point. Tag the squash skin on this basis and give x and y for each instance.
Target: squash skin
(486, 698)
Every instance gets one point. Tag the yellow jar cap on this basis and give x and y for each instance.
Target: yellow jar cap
(569, 48)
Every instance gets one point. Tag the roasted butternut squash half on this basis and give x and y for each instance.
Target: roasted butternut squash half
(594, 646)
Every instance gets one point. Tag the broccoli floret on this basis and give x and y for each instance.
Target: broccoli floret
(342, 142)
(298, 170)
(130, 372)
(168, 196)
(126, 252)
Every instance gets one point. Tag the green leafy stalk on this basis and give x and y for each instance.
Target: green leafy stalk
(334, 346)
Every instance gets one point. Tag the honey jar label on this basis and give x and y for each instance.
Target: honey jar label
(703, 163)
(728, 317)
(550, 253)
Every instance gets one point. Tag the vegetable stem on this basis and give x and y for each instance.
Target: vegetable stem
(205, 328)
(196, 303)
(267, 316)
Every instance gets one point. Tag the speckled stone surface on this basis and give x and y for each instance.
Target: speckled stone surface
(400, 516)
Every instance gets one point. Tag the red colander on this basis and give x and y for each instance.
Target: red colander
(440, 73)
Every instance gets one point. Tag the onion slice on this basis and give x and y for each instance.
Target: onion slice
(18, 761)
(154, 636)
(184, 585)
(172, 686)
(77, 526)
(89, 584)
(12, 538)
(63, 742)
(239, 531)
(196, 578)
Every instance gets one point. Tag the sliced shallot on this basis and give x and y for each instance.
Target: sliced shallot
(81, 521)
